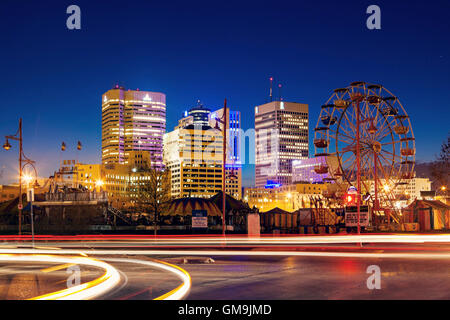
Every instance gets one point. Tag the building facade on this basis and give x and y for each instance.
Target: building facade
(119, 180)
(193, 152)
(281, 135)
(132, 120)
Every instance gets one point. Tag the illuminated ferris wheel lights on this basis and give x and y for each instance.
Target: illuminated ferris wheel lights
(339, 103)
(374, 100)
(401, 130)
(407, 152)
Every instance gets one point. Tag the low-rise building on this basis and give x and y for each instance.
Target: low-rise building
(120, 181)
(288, 197)
(8, 192)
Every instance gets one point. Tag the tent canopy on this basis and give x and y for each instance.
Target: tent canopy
(184, 207)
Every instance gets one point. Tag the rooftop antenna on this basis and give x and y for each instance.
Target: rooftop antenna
(279, 90)
(270, 92)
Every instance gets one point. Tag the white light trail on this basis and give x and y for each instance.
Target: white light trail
(88, 290)
(239, 253)
(178, 293)
(338, 239)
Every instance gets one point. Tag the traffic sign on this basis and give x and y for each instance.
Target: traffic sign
(199, 219)
(351, 216)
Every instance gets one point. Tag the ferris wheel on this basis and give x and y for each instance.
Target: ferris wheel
(366, 135)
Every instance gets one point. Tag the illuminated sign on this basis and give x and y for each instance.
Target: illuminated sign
(272, 184)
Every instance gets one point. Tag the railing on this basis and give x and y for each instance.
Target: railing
(119, 214)
(76, 196)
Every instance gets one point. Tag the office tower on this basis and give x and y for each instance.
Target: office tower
(132, 120)
(200, 115)
(193, 154)
(281, 134)
(233, 184)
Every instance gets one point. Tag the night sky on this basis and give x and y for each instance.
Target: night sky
(53, 77)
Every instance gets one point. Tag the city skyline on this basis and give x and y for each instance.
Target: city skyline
(61, 104)
(220, 152)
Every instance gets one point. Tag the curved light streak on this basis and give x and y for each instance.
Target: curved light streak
(88, 290)
(176, 294)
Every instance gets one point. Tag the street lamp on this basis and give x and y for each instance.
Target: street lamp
(99, 184)
(289, 196)
(23, 161)
(7, 146)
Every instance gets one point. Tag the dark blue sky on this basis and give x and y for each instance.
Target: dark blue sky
(209, 50)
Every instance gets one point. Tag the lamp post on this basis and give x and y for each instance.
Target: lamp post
(223, 120)
(23, 161)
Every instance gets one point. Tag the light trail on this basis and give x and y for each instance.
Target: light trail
(263, 240)
(176, 294)
(241, 253)
(88, 290)
(101, 285)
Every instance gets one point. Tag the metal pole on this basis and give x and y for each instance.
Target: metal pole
(375, 206)
(20, 177)
(32, 221)
(224, 165)
(358, 162)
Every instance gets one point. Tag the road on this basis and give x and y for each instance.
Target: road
(303, 268)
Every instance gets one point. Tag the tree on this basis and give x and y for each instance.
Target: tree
(154, 194)
(440, 169)
(444, 156)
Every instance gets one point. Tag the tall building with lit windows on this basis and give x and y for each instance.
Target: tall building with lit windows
(132, 120)
(281, 136)
(193, 152)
